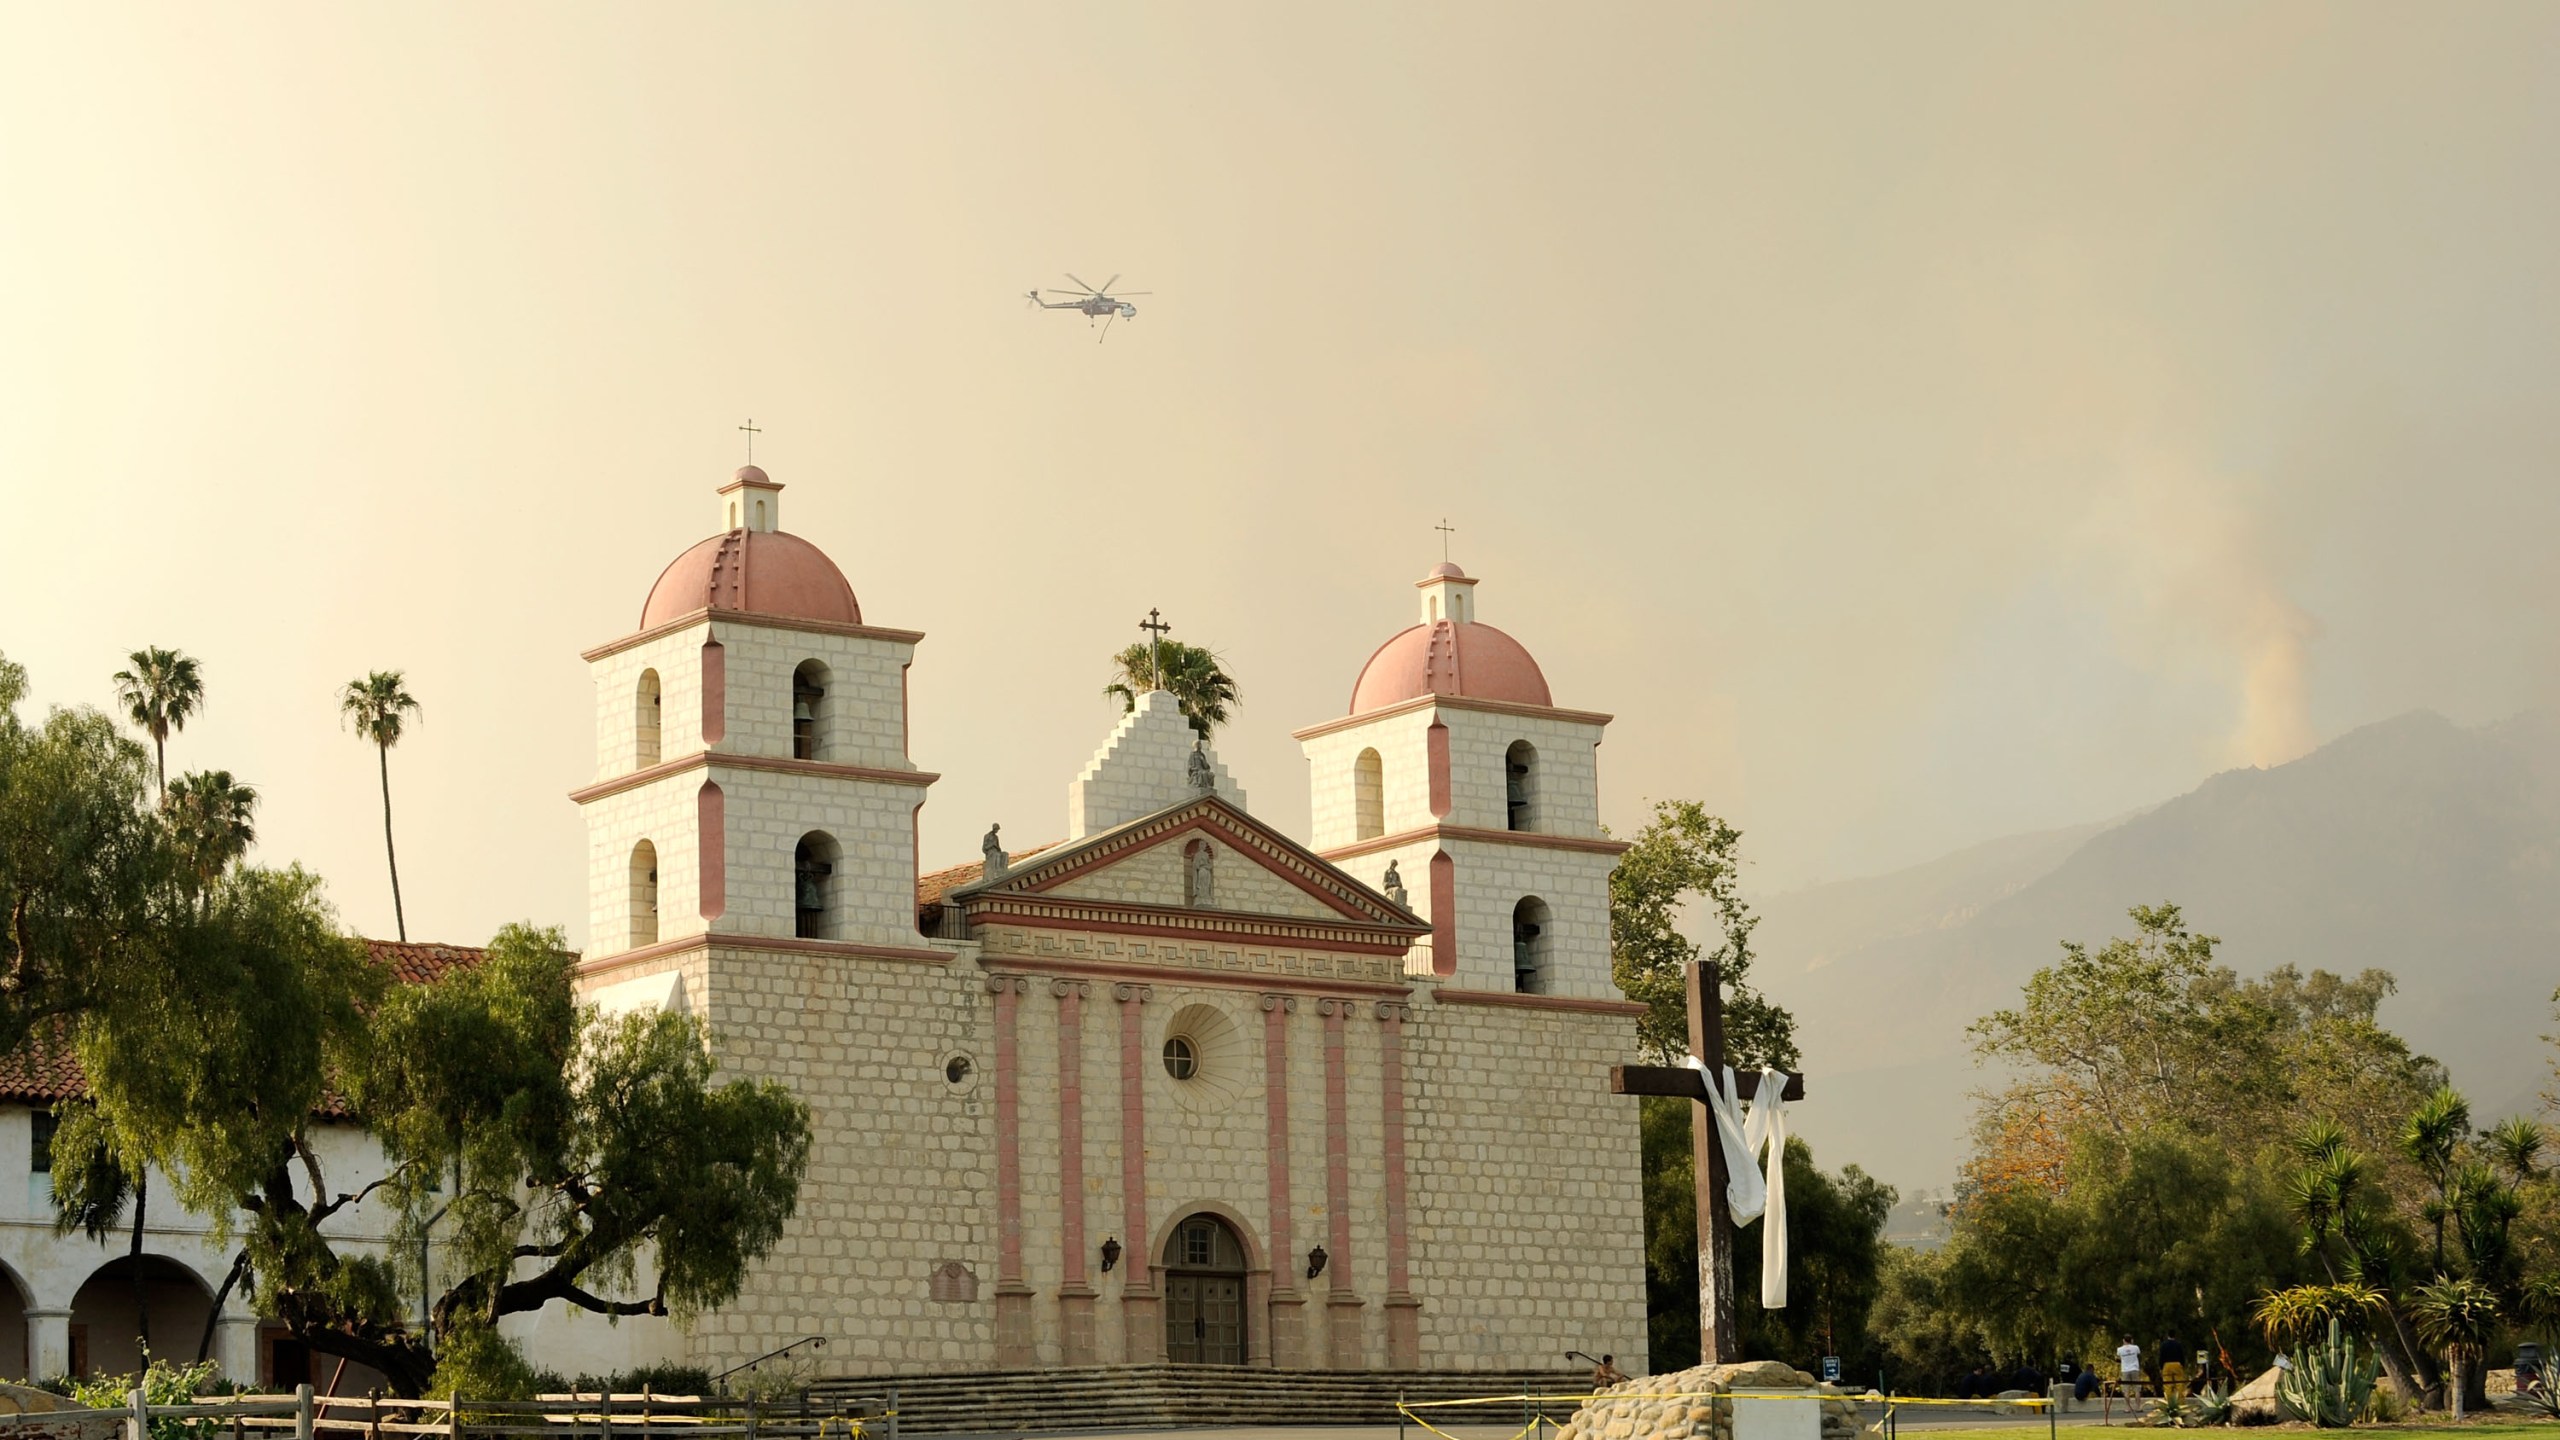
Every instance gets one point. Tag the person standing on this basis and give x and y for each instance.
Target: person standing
(2173, 1368)
(2129, 1367)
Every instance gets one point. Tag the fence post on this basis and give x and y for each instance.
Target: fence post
(453, 1417)
(893, 1412)
(302, 1412)
(139, 1426)
(373, 1413)
(1399, 1412)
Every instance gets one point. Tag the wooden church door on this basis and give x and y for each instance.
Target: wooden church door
(1204, 1294)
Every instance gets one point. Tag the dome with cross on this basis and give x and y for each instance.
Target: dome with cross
(752, 566)
(1449, 653)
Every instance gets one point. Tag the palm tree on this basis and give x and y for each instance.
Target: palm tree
(2431, 1140)
(377, 707)
(1194, 675)
(160, 692)
(210, 815)
(2459, 1317)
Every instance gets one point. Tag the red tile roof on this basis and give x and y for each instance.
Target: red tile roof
(44, 1070)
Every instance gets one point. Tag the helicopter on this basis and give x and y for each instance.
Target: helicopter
(1097, 303)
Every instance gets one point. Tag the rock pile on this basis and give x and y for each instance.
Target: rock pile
(1695, 1404)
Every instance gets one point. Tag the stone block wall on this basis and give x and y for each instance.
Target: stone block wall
(901, 1178)
(666, 813)
(1494, 877)
(863, 719)
(1404, 770)
(1528, 1223)
(871, 896)
(1566, 774)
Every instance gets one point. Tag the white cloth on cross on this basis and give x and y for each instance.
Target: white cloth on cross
(1747, 1132)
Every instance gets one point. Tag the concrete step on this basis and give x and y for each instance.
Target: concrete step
(1135, 1397)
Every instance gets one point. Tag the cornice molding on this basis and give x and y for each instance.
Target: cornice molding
(1508, 1000)
(763, 944)
(1172, 976)
(1455, 702)
(1122, 917)
(753, 621)
(772, 764)
(1529, 838)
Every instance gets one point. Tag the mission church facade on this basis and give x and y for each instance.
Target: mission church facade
(1176, 1087)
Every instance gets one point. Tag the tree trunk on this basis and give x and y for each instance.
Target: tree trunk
(2421, 1362)
(2456, 1387)
(399, 918)
(213, 1316)
(141, 1306)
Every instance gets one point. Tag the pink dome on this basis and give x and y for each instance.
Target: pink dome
(760, 572)
(1450, 657)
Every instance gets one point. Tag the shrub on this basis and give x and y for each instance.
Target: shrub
(2330, 1385)
(162, 1384)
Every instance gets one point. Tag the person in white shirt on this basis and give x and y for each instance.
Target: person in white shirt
(2129, 1366)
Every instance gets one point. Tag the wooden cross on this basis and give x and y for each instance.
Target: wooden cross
(752, 433)
(1446, 530)
(1156, 631)
(1719, 1341)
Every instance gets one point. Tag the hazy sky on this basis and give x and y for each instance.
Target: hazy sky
(1915, 423)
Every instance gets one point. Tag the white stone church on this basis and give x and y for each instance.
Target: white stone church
(1175, 1087)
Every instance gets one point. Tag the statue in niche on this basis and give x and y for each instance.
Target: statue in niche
(1394, 887)
(1201, 893)
(1204, 776)
(993, 848)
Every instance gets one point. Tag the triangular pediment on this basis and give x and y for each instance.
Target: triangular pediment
(1144, 868)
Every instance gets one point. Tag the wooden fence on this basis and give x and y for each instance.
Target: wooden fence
(643, 1416)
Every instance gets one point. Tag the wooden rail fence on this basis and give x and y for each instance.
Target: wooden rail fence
(643, 1416)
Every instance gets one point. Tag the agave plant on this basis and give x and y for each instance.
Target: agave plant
(2212, 1407)
(2329, 1385)
(2543, 1396)
(2459, 1317)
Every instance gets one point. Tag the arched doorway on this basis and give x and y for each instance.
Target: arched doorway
(1204, 1265)
(106, 1328)
(17, 1356)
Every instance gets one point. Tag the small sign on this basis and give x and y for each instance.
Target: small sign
(1830, 1369)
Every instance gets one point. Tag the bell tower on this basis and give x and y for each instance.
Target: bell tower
(751, 742)
(1456, 767)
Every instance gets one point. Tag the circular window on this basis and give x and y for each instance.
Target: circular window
(957, 1071)
(1180, 1060)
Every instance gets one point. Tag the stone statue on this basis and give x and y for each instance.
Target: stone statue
(993, 848)
(1204, 894)
(1394, 886)
(1204, 776)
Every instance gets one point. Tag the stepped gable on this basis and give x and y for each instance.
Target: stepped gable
(45, 1072)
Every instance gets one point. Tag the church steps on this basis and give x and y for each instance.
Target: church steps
(1141, 1397)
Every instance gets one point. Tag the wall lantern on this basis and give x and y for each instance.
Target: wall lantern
(1315, 1262)
(1110, 1254)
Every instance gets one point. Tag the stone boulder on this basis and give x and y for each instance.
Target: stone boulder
(2255, 1402)
(1693, 1404)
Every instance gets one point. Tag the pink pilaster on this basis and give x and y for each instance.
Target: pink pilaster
(1075, 1297)
(1342, 1295)
(1013, 1297)
(1288, 1302)
(1141, 1315)
(1404, 1320)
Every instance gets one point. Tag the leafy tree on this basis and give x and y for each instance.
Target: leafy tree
(159, 693)
(1192, 674)
(2153, 1233)
(2432, 1139)
(378, 708)
(1835, 1253)
(587, 1161)
(83, 862)
(1924, 1342)
(1684, 853)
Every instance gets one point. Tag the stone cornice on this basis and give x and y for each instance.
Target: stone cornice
(1509, 1000)
(707, 759)
(751, 619)
(1123, 917)
(1455, 702)
(1529, 838)
(765, 944)
(1336, 987)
